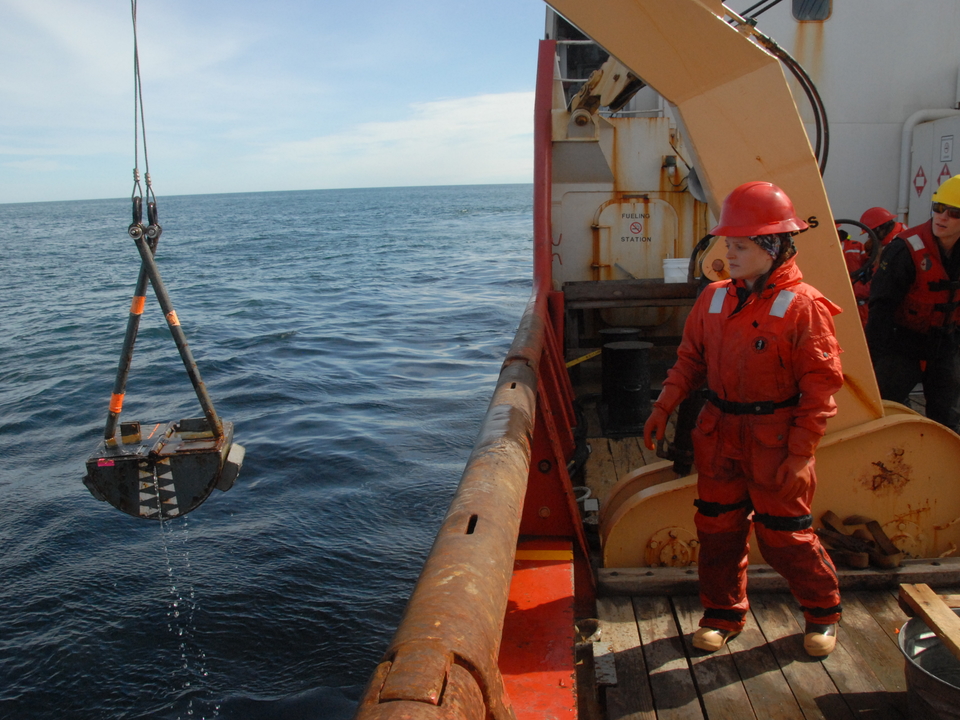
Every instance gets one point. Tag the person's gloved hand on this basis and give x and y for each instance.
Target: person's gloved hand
(794, 476)
(655, 427)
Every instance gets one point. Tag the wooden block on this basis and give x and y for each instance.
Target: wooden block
(850, 559)
(832, 522)
(935, 613)
(883, 542)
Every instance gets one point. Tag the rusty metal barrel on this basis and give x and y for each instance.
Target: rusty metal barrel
(626, 386)
(619, 334)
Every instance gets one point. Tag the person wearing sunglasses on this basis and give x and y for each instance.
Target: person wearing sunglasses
(914, 311)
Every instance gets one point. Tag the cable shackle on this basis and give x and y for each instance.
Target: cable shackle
(153, 230)
(136, 227)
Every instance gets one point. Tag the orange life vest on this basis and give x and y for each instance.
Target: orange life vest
(933, 299)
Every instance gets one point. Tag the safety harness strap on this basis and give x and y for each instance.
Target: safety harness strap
(763, 407)
(722, 614)
(822, 612)
(784, 524)
(712, 509)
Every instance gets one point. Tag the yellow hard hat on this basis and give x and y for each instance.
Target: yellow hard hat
(949, 192)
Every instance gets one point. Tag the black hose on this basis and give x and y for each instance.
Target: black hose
(865, 272)
(699, 249)
(819, 115)
(822, 148)
(746, 13)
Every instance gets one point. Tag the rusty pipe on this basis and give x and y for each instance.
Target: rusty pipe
(454, 619)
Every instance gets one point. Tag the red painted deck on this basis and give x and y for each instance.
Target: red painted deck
(537, 652)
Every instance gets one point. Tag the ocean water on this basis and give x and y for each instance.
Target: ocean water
(353, 337)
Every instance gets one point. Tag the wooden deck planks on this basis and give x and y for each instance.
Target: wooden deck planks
(761, 675)
(810, 684)
(599, 469)
(631, 698)
(611, 459)
(764, 673)
(627, 455)
(862, 630)
(718, 681)
(674, 691)
(863, 692)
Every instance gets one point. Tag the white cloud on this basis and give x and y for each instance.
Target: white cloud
(33, 165)
(486, 138)
(246, 96)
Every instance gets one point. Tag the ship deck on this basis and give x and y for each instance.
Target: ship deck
(763, 673)
(643, 666)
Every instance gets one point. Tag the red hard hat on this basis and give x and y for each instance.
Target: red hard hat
(876, 216)
(757, 208)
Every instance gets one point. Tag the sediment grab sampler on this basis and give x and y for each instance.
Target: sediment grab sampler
(165, 469)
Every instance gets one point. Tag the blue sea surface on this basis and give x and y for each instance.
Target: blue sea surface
(352, 336)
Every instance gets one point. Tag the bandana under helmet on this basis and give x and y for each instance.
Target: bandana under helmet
(770, 244)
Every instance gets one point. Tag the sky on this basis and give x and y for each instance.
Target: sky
(249, 96)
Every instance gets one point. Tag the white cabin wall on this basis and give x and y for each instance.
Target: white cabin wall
(871, 80)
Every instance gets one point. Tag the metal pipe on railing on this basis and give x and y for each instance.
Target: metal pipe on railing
(443, 659)
(454, 619)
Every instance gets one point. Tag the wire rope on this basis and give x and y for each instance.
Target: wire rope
(139, 120)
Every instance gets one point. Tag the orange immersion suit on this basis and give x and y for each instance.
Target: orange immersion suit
(771, 365)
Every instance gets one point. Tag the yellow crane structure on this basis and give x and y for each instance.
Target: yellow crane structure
(740, 121)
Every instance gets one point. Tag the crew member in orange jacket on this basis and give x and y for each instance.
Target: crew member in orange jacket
(886, 227)
(764, 344)
(914, 298)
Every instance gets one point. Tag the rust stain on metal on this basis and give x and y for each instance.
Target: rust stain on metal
(947, 525)
(890, 474)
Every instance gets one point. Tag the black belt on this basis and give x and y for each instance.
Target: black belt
(765, 407)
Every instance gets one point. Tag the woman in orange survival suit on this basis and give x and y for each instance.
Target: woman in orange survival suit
(764, 344)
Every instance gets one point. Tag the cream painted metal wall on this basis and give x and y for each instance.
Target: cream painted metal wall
(741, 122)
(875, 64)
(736, 111)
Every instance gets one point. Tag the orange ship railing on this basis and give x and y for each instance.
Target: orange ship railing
(442, 661)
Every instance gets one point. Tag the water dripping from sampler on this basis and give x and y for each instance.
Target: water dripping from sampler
(192, 660)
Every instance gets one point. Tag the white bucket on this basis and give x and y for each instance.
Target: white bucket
(675, 270)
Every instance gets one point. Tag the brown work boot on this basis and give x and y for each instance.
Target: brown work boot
(710, 639)
(819, 640)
